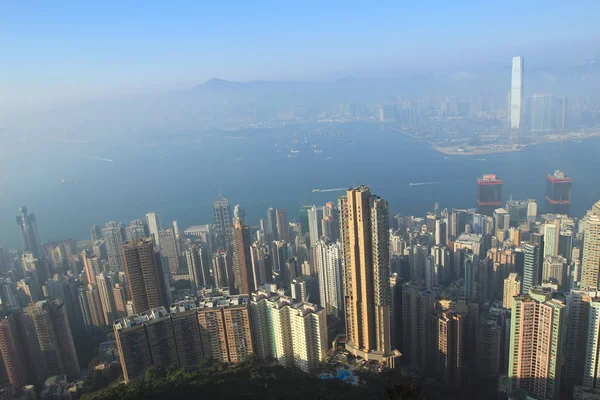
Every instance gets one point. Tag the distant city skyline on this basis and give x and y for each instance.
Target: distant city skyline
(183, 184)
(89, 52)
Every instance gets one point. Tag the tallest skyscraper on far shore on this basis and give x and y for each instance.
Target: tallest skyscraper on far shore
(516, 94)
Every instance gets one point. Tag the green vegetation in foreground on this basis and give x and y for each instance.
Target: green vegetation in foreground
(248, 380)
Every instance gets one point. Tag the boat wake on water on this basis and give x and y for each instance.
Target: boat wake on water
(424, 183)
(329, 190)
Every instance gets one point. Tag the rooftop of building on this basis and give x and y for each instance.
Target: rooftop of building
(280, 300)
(468, 238)
(223, 301)
(555, 260)
(543, 295)
(559, 176)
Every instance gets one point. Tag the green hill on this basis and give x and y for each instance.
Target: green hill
(249, 380)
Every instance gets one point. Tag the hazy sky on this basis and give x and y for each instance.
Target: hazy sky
(54, 52)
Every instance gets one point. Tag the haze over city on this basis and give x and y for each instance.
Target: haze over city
(72, 52)
(310, 200)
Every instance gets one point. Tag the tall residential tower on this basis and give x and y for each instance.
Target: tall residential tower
(144, 275)
(365, 244)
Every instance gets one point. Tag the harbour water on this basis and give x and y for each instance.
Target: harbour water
(180, 175)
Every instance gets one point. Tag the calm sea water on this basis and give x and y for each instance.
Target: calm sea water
(181, 176)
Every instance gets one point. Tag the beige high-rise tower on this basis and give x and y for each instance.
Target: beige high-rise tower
(590, 263)
(512, 288)
(144, 275)
(365, 243)
(537, 343)
(107, 298)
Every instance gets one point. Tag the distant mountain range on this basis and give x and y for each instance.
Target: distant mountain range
(219, 102)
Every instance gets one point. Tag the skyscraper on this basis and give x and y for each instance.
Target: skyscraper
(132, 345)
(136, 230)
(551, 238)
(331, 222)
(328, 260)
(272, 224)
(14, 355)
(84, 308)
(27, 291)
(223, 270)
(314, 225)
(225, 330)
(542, 116)
(113, 237)
(94, 305)
(590, 262)
(49, 338)
(154, 226)
(512, 288)
(29, 233)
(223, 222)
(298, 290)
(95, 233)
(169, 250)
(554, 270)
(490, 344)
(532, 270)
(158, 338)
(516, 93)
(501, 220)
(120, 296)
(92, 266)
(365, 244)
(558, 193)
(417, 305)
(283, 225)
(105, 289)
(197, 263)
(239, 213)
(242, 261)
(261, 264)
(447, 351)
(578, 304)
(537, 344)
(560, 113)
(591, 369)
(489, 194)
(293, 333)
(144, 275)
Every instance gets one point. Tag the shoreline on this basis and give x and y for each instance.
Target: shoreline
(465, 150)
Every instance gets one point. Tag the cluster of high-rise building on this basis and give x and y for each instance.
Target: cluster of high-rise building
(541, 113)
(36, 343)
(501, 293)
(505, 294)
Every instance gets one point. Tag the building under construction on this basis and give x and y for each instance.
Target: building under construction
(558, 193)
(489, 194)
